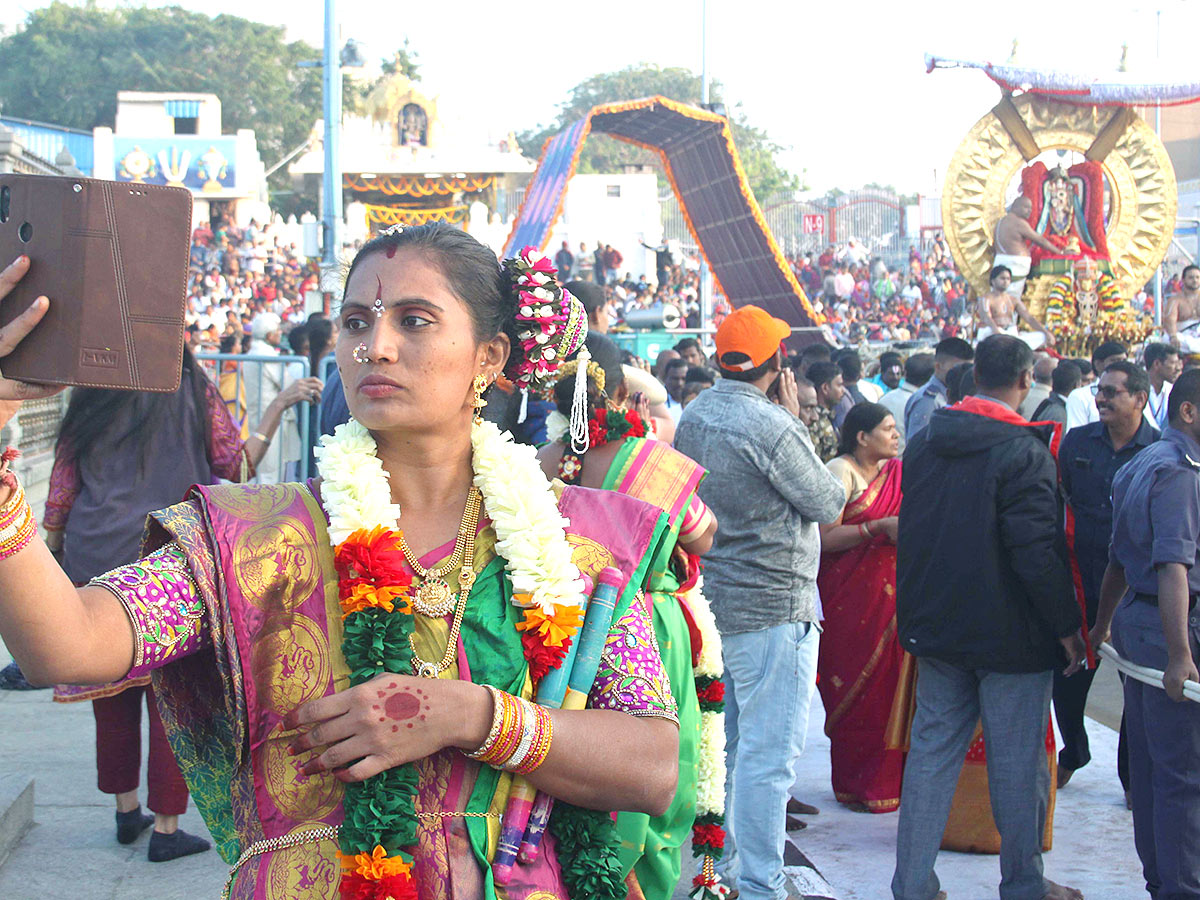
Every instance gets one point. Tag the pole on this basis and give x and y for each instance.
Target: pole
(1158, 288)
(332, 194)
(706, 302)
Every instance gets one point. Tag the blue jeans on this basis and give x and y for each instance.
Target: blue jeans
(1015, 708)
(769, 680)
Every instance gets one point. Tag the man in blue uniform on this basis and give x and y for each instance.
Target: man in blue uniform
(1088, 460)
(1152, 574)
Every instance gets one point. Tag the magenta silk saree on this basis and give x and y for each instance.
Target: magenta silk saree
(263, 567)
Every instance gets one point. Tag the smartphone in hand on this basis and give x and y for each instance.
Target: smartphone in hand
(113, 259)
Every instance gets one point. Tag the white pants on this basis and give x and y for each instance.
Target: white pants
(1035, 339)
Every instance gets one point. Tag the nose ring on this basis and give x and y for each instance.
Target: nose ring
(360, 354)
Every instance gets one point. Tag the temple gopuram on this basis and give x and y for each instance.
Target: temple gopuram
(403, 163)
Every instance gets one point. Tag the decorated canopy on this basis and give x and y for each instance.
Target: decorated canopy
(701, 162)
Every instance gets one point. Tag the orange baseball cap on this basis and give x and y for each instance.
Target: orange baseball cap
(752, 331)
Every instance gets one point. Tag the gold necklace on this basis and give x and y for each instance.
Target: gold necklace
(434, 598)
(423, 668)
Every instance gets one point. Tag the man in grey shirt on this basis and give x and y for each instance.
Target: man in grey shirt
(921, 405)
(769, 490)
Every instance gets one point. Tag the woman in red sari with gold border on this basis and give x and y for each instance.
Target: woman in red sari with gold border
(861, 663)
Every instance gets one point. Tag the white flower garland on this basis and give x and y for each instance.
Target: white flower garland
(710, 786)
(530, 531)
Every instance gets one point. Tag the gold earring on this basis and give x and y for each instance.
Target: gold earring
(479, 385)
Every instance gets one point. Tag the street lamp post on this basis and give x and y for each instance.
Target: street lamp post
(332, 193)
(706, 303)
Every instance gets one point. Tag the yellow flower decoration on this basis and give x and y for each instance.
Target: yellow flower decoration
(555, 627)
(375, 866)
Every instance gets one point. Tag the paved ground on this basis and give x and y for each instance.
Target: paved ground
(71, 852)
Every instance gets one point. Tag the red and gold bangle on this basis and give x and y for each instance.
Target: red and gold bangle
(505, 734)
(519, 739)
(13, 507)
(540, 747)
(17, 524)
(497, 721)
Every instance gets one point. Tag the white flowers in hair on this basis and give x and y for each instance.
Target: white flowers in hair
(580, 436)
(530, 531)
(558, 426)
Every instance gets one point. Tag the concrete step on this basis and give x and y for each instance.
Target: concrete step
(16, 811)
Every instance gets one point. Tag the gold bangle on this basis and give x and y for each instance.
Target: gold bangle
(262, 437)
(497, 721)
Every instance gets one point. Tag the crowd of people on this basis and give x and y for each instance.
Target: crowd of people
(865, 299)
(906, 533)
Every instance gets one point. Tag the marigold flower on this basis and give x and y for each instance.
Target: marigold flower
(554, 628)
(375, 865)
(365, 596)
(374, 556)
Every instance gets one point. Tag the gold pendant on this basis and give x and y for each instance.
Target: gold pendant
(434, 598)
(423, 669)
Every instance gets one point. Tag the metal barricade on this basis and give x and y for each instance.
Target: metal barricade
(249, 383)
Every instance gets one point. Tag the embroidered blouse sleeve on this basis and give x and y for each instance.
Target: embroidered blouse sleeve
(631, 677)
(64, 488)
(226, 449)
(164, 605)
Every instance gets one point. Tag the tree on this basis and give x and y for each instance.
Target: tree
(602, 153)
(68, 62)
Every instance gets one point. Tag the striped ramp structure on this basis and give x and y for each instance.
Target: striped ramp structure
(700, 161)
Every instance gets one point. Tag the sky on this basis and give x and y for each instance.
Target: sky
(840, 85)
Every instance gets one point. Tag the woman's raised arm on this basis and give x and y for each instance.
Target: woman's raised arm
(56, 633)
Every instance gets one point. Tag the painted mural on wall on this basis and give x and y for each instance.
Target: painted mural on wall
(205, 165)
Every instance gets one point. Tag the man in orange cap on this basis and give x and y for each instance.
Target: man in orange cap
(769, 491)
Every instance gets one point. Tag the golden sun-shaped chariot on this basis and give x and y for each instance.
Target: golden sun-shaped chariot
(1119, 201)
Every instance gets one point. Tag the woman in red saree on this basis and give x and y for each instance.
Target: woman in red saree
(861, 663)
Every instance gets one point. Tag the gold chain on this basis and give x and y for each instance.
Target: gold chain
(466, 580)
(455, 815)
(433, 596)
(325, 833)
(471, 511)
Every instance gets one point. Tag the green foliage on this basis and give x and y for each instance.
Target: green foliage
(605, 154)
(66, 66)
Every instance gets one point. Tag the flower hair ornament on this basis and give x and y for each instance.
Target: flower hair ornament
(551, 326)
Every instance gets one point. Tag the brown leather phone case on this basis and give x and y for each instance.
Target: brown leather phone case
(113, 259)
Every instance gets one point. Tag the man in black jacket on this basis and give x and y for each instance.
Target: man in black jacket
(985, 602)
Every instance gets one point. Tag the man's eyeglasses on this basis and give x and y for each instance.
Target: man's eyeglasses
(1107, 391)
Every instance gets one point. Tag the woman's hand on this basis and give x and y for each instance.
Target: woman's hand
(888, 526)
(389, 721)
(641, 405)
(300, 390)
(13, 393)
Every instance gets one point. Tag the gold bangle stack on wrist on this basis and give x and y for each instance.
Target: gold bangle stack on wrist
(520, 736)
(17, 525)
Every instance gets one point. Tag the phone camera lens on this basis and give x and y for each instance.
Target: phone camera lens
(5, 202)
(77, 188)
(25, 232)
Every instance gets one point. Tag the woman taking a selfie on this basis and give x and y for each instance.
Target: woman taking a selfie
(351, 702)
